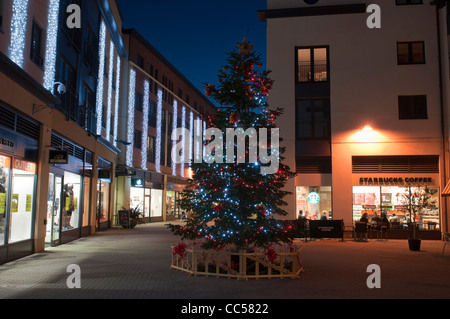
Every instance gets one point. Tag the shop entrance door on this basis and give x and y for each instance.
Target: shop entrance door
(52, 237)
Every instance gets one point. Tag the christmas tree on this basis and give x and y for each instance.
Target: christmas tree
(232, 203)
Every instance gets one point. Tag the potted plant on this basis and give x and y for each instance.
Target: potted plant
(417, 200)
(130, 217)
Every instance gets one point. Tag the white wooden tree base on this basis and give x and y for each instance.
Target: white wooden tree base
(242, 264)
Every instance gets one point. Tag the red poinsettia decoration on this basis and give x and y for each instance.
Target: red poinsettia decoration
(180, 250)
(271, 255)
(234, 118)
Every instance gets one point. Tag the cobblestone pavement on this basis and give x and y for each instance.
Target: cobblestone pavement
(134, 264)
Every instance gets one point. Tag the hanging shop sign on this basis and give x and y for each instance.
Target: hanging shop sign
(137, 182)
(313, 198)
(394, 180)
(58, 157)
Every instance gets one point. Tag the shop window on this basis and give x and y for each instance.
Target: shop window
(170, 203)
(411, 52)
(314, 202)
(312, 64)
(86, 201)
(71, 201)
(22, 199)
(373, 202)
(5, 164)
(156, 203)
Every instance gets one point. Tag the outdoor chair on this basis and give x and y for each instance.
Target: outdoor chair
(360, 230)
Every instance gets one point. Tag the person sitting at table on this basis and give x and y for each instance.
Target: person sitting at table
(384, 219)
(375, 219)
(394, 218)
(364, 218)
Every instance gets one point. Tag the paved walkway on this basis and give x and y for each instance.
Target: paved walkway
(134, 264)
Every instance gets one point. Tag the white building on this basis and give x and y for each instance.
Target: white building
(366, 109)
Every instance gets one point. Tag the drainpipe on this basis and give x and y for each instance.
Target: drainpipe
(439, 5)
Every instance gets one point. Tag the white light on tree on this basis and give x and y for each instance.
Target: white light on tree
(110, 88)
(18, 31)
(158, 132)
(130, 120)
(101, 76)
(51, 45)
(116, 109)
(174, 128)
(144, 148)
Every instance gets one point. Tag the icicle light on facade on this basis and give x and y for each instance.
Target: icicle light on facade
(191, 135)
(18, 31)
(110, 88)
(174, 128)
(183, 139)
(101, 76)
(130, 120)
(158, 132)
(51, 45)
(144, 148)
(116, 109)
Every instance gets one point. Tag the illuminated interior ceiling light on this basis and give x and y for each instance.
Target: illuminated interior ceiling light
(191, 135)
(110, 88)
(51, 45)
(158, 132)
(130, 120)
(18, 31)
(101, 76)
(174, 128)
(144, 150)
(183, 139)
(116, 109)
(367, 128)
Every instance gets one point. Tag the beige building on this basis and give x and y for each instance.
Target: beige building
(57, 139)
(366, 109)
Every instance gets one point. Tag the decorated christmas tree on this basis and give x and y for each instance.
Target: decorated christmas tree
(233, 202)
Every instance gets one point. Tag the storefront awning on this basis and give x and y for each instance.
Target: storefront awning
(446, 191)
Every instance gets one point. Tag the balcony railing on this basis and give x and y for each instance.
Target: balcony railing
(320, 73)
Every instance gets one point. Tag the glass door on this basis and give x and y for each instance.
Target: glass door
(54, 209)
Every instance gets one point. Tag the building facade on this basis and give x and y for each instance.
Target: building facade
(59, 99)
(159, 100)
(366, 109)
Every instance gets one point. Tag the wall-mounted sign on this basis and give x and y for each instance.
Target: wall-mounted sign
(313, 198)
(24, 165)
(394, 180)
(58, 157)
(137, 182)
(7, 143)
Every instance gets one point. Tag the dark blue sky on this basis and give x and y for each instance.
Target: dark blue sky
(195, 35)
